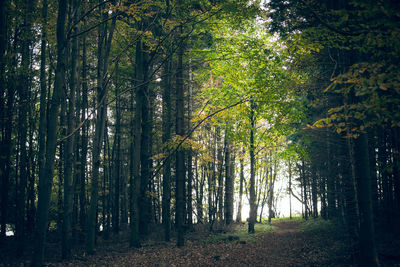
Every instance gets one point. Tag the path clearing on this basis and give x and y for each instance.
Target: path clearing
(286, 246)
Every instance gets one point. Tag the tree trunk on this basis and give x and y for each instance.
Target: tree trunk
(211, 179)
(368, 254)
(396, 167)
(271, 213)
(373, 171)
(69, 147)
(43, 93)
(180, 154)
(84, 140)
(117, 163)
(6, 112)
(219, 199)
(134, 240)
(145, 201)
(23, 91)
(330, 179)
(104, 45)
(45, 181)
(166, 136)
(189, 155)
(314, 193)
(304, 184)
(241, 160)
(290, 188)
(253, 208)
(229, 180)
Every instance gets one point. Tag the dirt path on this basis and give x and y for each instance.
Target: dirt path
(286, 246)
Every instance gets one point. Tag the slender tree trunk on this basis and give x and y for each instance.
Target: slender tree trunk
(106, 165)
(253, 208)
(373, 170)
(145, 161)
(330, 179)
(60, 161)
(200, 178)
(166, 125)
(136, 183)
(219, 199)
(271, 213)
(43, 93)
(368, 254)
(304, 184)
(211, 180)
(45, 181)
(314, 193)
(189, 155)
(104, 45)
(6, 112)
(180, 154)
(290, 188)
(229, 181)
(267, 185)
(117, 163)
(69, 147)
(30, 201)
(23, 92)
(396, 167)
(84, 140)
(241, 160)
(349, 191)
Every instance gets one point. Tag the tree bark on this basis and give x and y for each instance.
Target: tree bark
(189, 155)
(229, 180)
(104, 45)
(6, 112)
(145, 154)
(253, 208)
(180, 154)
(84, 140)
(290, 188)
(23, 92)
(368, 254)
(219, 198)
(241, 160)
(117, 163)
(45, 181)
(271, 213)
(166, 136)
(134, 240)
(69, 147)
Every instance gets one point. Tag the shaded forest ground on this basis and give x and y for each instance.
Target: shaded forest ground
(285, 243)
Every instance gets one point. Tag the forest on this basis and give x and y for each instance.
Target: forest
(130, 121)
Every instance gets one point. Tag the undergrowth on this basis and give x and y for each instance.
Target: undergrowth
(293, 219)
(239, 233)
(319, 225)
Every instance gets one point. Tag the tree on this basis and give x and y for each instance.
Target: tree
(105, 35)
(180, 154)
(229, 180)
(69, 149)
(45, 181)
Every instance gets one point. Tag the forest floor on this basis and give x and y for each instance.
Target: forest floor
(285, 243)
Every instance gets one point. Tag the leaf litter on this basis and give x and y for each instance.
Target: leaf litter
(289, 245)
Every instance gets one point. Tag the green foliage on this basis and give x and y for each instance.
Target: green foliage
(239, 233)
(319, 225)
(244, 64)
(287, 219)
(367, 34)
